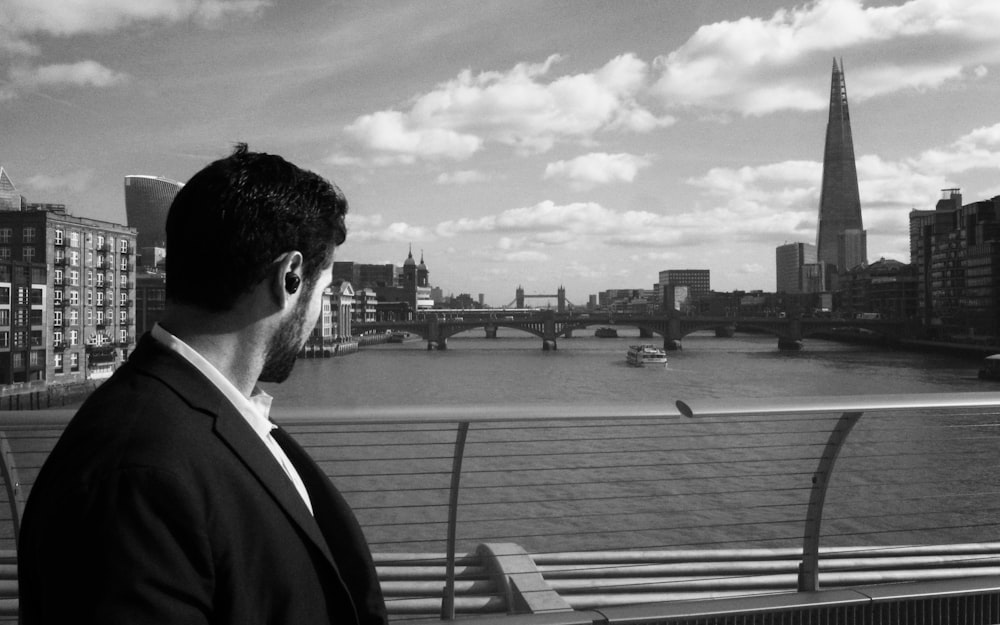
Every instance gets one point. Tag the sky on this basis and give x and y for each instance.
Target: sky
(533, 143)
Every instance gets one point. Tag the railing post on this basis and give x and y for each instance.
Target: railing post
(12, 484)
(448, 601)
(809, 568)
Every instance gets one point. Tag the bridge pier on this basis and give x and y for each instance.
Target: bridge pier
(548, 345)
(672, 345)
(491, 331)
(439, 344)
(645, 333)
(789, 345)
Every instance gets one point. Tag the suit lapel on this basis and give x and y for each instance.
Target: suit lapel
(230, 426)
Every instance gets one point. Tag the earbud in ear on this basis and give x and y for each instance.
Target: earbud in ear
(292, 282)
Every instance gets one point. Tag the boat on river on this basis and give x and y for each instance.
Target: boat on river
(639, 355)
(606, 333)
(398, 337)
(991, 368)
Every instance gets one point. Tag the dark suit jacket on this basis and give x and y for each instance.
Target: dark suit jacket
(160, 504)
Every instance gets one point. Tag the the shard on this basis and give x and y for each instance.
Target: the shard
(840, 238)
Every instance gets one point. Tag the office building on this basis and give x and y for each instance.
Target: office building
(791, 260)
(955, 250)
(840, 201)
(66, 296)
(147, 202)
(698, 281)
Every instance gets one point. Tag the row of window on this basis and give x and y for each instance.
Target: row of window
(72, 338)
(73, 297)
(22, 317)
(72, 277)
(73, 259)
(74, 362)
(20, 338)
(99, 317)
(29, 236)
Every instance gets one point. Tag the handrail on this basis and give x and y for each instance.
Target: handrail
(728, 476)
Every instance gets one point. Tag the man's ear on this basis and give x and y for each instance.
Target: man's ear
(286, 278)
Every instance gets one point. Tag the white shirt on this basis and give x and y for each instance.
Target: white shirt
(255, 409)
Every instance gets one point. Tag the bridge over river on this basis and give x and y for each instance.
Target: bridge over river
(550, 325)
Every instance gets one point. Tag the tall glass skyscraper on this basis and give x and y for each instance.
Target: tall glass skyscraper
(147, 200)
(839, 200)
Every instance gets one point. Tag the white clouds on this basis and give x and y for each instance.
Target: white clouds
(466, 176)
(75, 181)
(521, 108)
(79, 74)
(979, 149)
(20, 20)
(758, 66)
(586, 171)
(363, 228)
(61, 18)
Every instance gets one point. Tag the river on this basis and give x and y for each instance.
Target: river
(513, 369)
(713, 493)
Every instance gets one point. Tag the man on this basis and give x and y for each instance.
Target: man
(170, 498)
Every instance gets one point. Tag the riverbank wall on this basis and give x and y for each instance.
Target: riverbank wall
(969, 350)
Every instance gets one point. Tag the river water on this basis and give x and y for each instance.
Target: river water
(674, 484)
(514, 369)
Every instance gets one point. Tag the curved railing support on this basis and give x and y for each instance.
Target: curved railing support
(809, 568)
(448, 600)
(12, 484)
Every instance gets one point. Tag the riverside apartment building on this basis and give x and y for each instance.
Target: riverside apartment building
(67, 309)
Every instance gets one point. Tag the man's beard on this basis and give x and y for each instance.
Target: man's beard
(285, 345)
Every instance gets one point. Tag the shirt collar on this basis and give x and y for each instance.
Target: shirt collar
(255, 409)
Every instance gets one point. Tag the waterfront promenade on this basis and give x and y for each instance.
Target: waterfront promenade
(634, 513)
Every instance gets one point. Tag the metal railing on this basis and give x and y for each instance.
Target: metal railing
(483, 509)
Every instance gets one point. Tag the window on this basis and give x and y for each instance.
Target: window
(74, 298)
(17, 360)
(74, 277)
(74, 361)
(22, 296)
(90, 297)
(57, 237)
(125, 263)
(36, 297)
(123, 299)
(57, 296)
(5, 339)
(5, 235)
(90, 278)
(20, 339)
(74, 337)
(100, 241)
(100, 279)
(35, 318)
(123, 246)
(57, 360)
(28, 254)
(74, 239)
(4, 317)
(5, 295)
(73, 317)
(123, 336)
(57, 338)
(57, 318)
(4, 253)
(123, 281)
(20, 317)
(100, 298)
(90, 258)
(74, 258)
(100, 316)
(123, 316)
(36, 338)
(28, 234)
(57, 276)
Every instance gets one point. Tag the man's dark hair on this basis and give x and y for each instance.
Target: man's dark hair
(237, 216)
